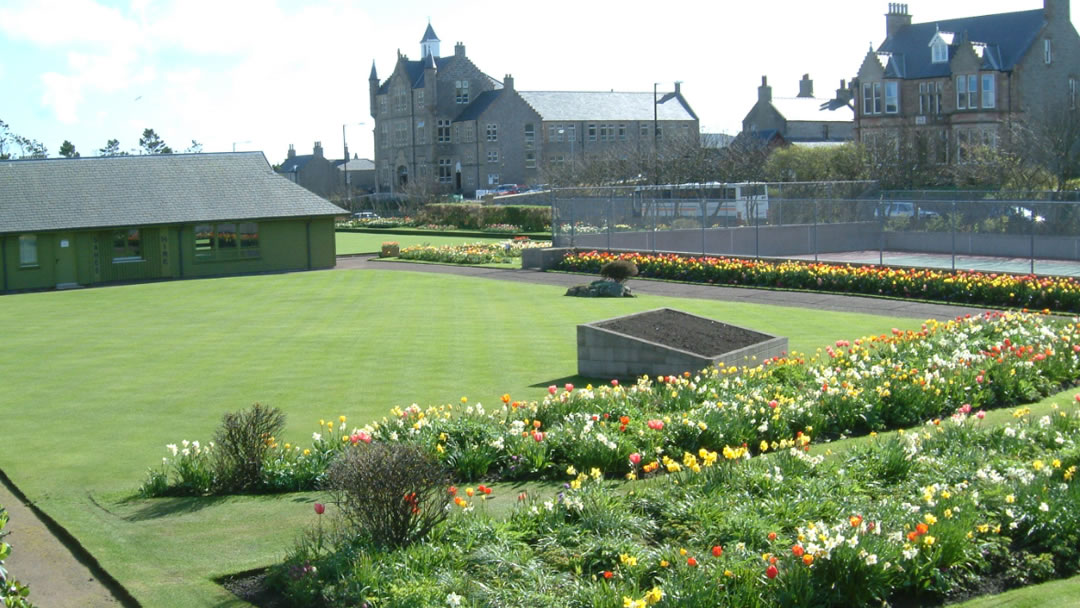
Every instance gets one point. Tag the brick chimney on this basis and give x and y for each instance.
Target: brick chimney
(678, 87)
(318, 150)
(1056, 10)
(896, 18)
(459, 49)
(806, 86)
(508, 82)
(764, 92)
(843, 94)
(292, 152)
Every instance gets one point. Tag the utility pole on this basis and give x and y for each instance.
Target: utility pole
(655, 139)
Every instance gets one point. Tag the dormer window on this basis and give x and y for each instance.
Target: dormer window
(939, 51)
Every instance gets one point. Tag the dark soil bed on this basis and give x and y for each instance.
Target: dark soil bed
(675, 329)
(252, 588)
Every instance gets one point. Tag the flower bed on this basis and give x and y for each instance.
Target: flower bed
(930, 515)
(478, 253)
(13, 594)
(984, 289)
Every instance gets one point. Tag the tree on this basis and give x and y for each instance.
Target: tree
(112, 148)
(194, 148)
(67, 150)
(152, 144)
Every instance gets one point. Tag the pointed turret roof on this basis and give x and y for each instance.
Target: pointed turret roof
(429, 34)
(374, 75)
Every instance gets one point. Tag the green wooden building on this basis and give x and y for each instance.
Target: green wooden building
(86, 221)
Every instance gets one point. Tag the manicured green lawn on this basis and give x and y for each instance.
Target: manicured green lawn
(365, 242)
(97, 381)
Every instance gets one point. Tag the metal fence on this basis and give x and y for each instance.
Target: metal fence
(852, 222)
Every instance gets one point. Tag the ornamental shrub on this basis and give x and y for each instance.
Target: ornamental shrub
(13, 594)
(242, 443)
(619, 270)
(389, 494)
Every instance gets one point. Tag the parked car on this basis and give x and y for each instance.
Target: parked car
(508, 189)
(902, 209)
(365, 215)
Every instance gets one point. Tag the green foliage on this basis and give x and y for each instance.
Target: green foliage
(391, 495)
(151, 143)
(529, 218)
(619, 270)
(13, 594)
(242, 443)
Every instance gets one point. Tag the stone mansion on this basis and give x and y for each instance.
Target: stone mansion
(441, 122)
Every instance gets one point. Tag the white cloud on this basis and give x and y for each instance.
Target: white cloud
(66, 22)
(63, 94)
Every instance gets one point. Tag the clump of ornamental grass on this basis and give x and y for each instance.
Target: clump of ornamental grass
(242, 443)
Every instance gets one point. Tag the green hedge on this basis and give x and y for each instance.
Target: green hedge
(529, 218)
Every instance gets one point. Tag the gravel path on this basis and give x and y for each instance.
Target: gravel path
(61, 574)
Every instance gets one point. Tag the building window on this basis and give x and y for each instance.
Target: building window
(938, 88)
(1048, 52)
(28, 254)
(384, 138)
(942, 155)
(492, 131)
(530, 136)
(227, 241)
(867, 99)
(461, 91)
(571, 132)
(420, 99)
(989, 99)
(421, 133)
(554, 133)
(401, 101)
(493, 156)
(643, 130)
(444, 170)
(592, 132)
(400, 134)
(127, 245)
(382, 104)
(892, 98)
(530, 160)
(961, 92)
(924, 97)
(442, 131)
(493, 179)
(622, 132)
(877, 98)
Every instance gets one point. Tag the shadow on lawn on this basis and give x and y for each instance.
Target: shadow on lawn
(164, 507)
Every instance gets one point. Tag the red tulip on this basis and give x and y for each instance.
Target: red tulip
(320, 508)
(797, 550)
(771, 572)
(717, 550)
(635, 458)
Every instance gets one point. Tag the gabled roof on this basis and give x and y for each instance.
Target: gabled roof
(809, 109)
(294, 164)
(1003, 39)
(355, 164)
(578, 106)
(414, 70)
(105, 192)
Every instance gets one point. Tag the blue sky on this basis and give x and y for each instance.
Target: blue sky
(259, 75)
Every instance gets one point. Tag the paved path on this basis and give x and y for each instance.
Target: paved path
(61, 574)
(795, 299)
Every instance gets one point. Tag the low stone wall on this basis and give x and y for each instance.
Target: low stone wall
(605, 354)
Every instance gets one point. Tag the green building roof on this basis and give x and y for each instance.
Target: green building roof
(102, 192)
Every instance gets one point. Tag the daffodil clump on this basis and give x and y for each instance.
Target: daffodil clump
(476, 253)
(978, 288)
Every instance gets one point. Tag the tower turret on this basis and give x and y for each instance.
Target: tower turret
(429, 44)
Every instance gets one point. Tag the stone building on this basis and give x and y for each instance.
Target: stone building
(441, 124)
(803, 119)
(312, 171)
(954, 83)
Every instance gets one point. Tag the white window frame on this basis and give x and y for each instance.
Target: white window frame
(961, 92)
(892, 97)
(493, 157)
(493, 179)
(877, 98)
(939, 51)
(461, 92)
(867, 99)
(989, 93)
(492, 131)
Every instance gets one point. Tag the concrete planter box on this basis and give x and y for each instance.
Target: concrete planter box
(604, 353)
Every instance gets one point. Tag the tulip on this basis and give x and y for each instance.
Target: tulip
(717, 550)
(320, 508)
(771, 572)
(635, 459)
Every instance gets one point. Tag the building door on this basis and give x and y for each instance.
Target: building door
(64, 246)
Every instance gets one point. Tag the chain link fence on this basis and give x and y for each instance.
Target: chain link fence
(853, 222)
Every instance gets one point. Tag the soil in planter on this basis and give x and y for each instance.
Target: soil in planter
(675, 329)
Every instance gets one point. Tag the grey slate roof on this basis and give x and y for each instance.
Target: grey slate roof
(808, 109)
(478, 105)
(294, 164)
(105, 192)
(1004, 39)
(429, 34)
(579, 106)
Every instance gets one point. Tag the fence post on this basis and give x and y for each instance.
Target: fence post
(952, 227)
(757, 231)
(881, 233)
(610, 216)
(704, 210)
(815, 230)
(573, 223)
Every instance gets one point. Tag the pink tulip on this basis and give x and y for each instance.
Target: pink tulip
(569, 387)
(635, 458)
(774, 404)
(320, 508)
(552, 389)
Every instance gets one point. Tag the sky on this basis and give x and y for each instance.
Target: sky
(261, 75)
